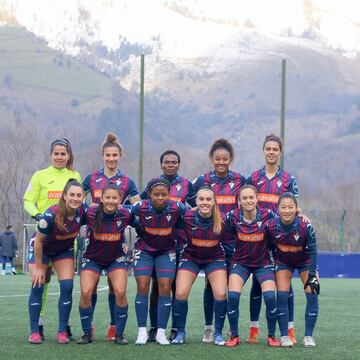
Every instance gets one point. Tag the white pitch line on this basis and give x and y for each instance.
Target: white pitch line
(53, 293)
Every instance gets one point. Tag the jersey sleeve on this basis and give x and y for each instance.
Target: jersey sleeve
(86, 184)
(46, 223)
(181, 207)
(228, 222)
(132, 189)
(249, 180)
(198, 182)
(135, 209)
(31, 195)
(191, 195)
(311, 248)
(145, 194)
(293, 187)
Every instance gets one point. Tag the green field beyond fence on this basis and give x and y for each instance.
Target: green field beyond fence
(336, 331)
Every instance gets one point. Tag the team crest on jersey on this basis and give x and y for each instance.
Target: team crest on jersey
(43, 224)
(297, 237)
(279, 183)
(168, 217)
(78, 219)
(259, 223)
(118, 223)
(231, 184)
(178, 187)
(118, 182)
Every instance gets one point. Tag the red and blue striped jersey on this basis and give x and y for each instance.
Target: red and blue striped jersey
(181, 190)
(108, 244)
(202, 244)
(158, 227)
(57, 241)
(252, 239)
(294, 244)
(97, 180)
(226, 192)
(269, 190)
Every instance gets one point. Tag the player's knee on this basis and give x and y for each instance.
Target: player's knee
(220, 295)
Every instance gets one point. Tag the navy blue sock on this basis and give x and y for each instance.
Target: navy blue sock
(141, 308)
(85, 317)
(153, 314)
(311, 313)
(291, 304)
(93, 304)
(255, 300)
(173, 318)
(121, 315)
(220, 314)
(233, 311)
(208, 299)
(164, 308)
(283, 311)
(65, 303)
(271, 311)
(180, 311)
(35, 302)
(111, 301)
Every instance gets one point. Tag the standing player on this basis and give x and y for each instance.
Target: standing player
(271, 181)
(111, 151)
(155, 251)
(226, 185)
(44, 190)
(56, 232)
(203, 250)
(295, 248)
(106, 251)
(251, 256)
(182, 190)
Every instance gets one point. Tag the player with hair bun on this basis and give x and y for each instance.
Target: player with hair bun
(226, 185)
(94, 183)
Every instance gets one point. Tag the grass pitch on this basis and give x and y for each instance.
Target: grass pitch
(336, 331)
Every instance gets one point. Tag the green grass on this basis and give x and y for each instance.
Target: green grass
(336, 334)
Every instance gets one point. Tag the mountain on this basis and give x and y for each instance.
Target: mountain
(211, 71)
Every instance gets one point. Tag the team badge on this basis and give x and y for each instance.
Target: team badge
(119, 223)
(168, 217)
(259, 223)
(297, 237)
(279, 183)
(78, 219)
(231, 184)
(43, 224)
(178, 187)
(118, 182)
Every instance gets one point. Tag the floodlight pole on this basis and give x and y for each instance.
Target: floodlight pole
(141, 125)
(282, 118)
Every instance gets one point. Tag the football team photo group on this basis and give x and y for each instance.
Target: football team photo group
(229, 227)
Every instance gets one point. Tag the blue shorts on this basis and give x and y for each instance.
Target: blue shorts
(163, 264)
(261, 273)
(50, 259)
(300, 268)
(91, 265)
(189, 265)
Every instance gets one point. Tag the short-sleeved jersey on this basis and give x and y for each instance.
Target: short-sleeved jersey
(252, 239)
(158, 227)
(269, 190)
(107, 244)
(181, 190)
(202, 244)
(96, 181)
(45, 188)
(56, 240)
(294, 244)
(226, 190)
